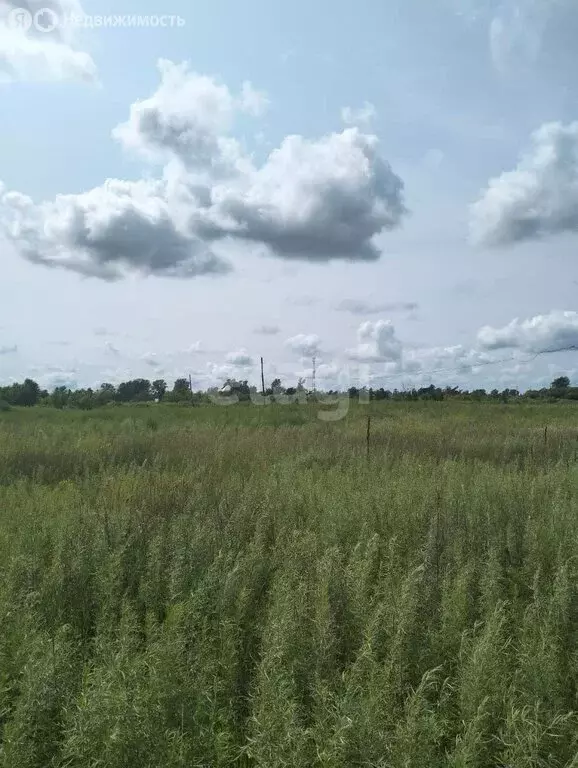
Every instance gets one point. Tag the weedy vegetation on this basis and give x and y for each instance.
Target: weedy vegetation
(248, 586)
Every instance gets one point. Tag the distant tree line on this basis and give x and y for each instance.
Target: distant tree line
(559, 389)
(29, 393)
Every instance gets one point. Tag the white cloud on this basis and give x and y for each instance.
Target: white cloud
(9, 350)
(305, 345)
(218, 373)
(240, 359)
(196, 348)
(377, 342)
(252, 101)
(37, 42)
(63, 378)
(314, 200)
(555, 330)
(538, 198)
(105, 232)
(185, 119)
(361, 116)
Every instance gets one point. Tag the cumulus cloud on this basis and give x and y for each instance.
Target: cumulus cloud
(187, 118)
(361, 307)
(105, 232)
(196, 348)
(377, 342)
(305, 345)
(361, 116)
(38, 43)
(240, 359)
(537, 199)
(267, 330)
(387, 358)
(314, 200)
(556, 330)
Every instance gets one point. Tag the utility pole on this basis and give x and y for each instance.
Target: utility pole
(262, 379)
(314, 384)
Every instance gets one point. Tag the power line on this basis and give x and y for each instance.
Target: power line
(483, 363)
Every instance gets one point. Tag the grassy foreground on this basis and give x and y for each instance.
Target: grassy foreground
(244, 586)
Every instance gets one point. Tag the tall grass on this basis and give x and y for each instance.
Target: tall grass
(242, 587)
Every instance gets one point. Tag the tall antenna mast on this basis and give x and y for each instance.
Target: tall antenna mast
(262, 379)
(314, 385)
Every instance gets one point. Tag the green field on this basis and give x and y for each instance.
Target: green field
(246, 586)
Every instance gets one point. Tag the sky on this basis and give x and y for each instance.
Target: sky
(391, 188)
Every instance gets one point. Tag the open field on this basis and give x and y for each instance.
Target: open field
(245, 586)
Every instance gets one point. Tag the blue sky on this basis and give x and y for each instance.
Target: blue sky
(391, 187)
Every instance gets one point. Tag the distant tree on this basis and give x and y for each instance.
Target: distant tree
(159, 388)
(277, 387)
(239, 388)
(85, 399)
(430, 393)
(181, 384)
(181, 391)
(106, 394)
(59, 397)
(27, 394)
(137, 390)
(508, 394)
(562, 382)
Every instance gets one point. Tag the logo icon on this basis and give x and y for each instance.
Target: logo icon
(45, 20)
(19, 18)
